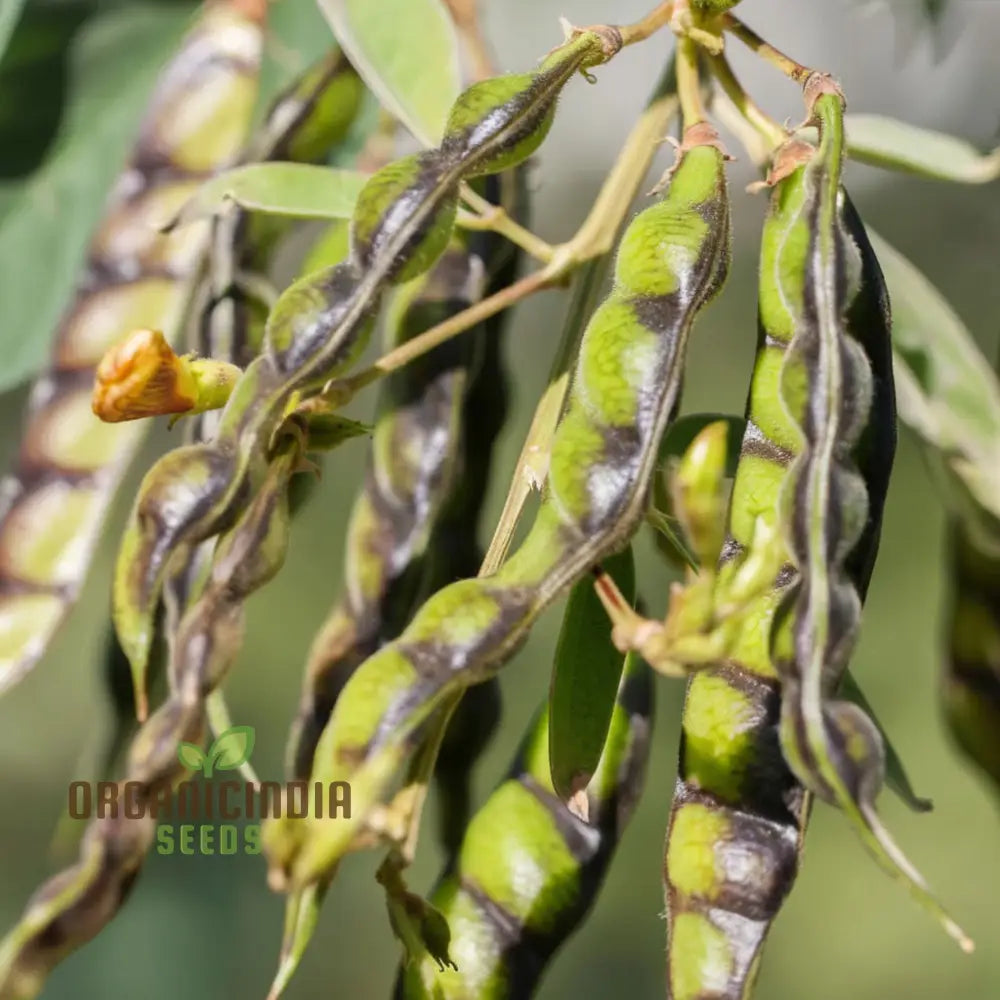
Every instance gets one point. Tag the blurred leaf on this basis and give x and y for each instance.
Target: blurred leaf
(677, 439)
(49, 218)
(298, 36)
(895, 773)
(10, 14)
(684, 430)
(407, 53)
(585, 679)
(946, 391)
(897, 145)
(301, 915)
(297, 190)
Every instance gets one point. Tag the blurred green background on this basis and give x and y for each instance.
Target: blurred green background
(205, 928)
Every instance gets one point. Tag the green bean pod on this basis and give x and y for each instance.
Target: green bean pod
(413, 529)
(833, 514)
(402, 223)
(739, 813)
(671, 262)
(529, 869)
(54, 500)
(302, 124)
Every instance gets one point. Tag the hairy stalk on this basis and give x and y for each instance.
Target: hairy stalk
(53, 503)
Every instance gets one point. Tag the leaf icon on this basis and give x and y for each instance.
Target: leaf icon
(190, 756)
(230, 750)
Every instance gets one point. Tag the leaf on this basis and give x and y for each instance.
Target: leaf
(947, 392)
(684, 430)
(297, 190)
(10, 14)
(407, 53)
(677, 439)
(301, 917)
(49, 219)
(895, 772)
(585, 679)
(191, 756)
(897, 145)
(230, 750)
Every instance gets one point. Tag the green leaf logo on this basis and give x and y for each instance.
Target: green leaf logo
(191, 756)
(227, 753)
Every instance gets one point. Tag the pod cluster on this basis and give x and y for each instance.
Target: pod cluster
(402, 222)
(672, 260)
(206, 634)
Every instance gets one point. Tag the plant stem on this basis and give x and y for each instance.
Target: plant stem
(688, 83)
(495, 218)
(773, 133)
(649, 25)
(765, 50)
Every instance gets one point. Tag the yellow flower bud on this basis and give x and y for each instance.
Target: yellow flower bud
(143, 377)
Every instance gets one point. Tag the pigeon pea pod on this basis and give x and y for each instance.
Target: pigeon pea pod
(302, 124)
(736, 796)
(672, 260)
(402, 222)
(418, 468)
(53, 503)
(506, 927)
(833, 512)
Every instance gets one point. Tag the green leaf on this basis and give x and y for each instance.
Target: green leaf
(407, 53)
(49, 218)
(684, 430)
(677, 439)
(10, 14)
(301, 917)
(897, 145)
(191, 756)
(946, 390)
(585, 679)
(895, 773)
(230, 750)
(297, 190)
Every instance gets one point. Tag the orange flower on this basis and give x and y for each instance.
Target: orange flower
(143, 377)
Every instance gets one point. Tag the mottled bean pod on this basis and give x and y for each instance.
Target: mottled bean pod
(736, 797)
(424, 480)
(672, 260)
(505, 923)
(53, 503)
(832, 503)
